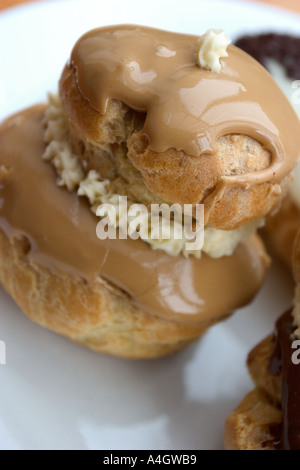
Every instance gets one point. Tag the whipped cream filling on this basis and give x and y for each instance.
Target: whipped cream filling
(217, 243)
(212, 46)
(291, 89)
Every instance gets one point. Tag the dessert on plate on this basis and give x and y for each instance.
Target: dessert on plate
(159, 118)
(269, 416)
(280, 54)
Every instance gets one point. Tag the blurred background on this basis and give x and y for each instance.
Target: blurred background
(289, 4)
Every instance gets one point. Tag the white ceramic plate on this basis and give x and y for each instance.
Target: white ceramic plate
(57, 395)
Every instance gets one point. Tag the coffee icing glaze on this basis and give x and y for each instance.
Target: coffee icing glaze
(62, 234)
(188, 108)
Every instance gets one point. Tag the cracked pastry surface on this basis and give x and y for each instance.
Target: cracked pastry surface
(179, 150)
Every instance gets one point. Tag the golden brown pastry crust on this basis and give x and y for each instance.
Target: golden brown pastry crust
(258, 362)
(95, 314)
(250, 426)
(296, 256)
(281, 230)
(247, 426)
(172, 176)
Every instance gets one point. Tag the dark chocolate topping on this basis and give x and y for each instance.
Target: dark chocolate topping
(283, 48)
(281, 361)
(275, 431)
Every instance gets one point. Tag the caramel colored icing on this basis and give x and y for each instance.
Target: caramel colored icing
(188, 108)
(61, 230)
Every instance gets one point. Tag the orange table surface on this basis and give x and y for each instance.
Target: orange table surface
(288, 4)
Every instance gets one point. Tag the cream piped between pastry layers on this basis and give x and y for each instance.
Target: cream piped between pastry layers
(217, 243)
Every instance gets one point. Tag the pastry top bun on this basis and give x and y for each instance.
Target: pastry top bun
(142, 112)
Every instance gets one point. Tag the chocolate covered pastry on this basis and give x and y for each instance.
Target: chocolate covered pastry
(269, 416)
